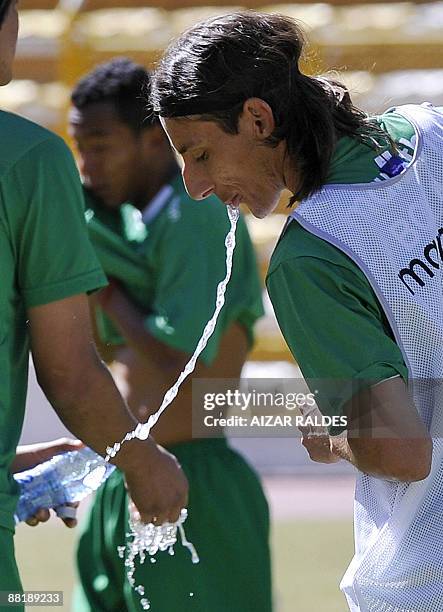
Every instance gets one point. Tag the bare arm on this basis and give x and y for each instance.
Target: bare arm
(30, 455)
(129, 321)
(82, 392)
(386, 437)
(150, 369)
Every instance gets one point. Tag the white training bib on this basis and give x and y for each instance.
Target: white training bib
(393, 230)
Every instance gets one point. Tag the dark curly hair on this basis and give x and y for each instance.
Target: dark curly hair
(211, 69)
(121, 82)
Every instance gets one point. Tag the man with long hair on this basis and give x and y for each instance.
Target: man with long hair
(355, 279)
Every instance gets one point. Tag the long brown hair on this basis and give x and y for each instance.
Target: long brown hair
(211, 69)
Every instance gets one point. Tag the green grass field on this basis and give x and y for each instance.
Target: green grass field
(309, 560)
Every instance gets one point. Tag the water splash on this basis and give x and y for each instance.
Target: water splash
(145, 541)
(148, 539)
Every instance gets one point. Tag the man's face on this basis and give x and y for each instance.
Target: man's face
(8, 43)
(238, 168)
(111, 154)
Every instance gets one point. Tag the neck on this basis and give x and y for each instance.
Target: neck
(291, 176)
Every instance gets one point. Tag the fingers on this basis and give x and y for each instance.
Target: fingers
(319, 448)
(175, 514)
(41, 516)
(161, 492)
(44, 452)
(67, 444)
(156, 517)
(70, 523)
(68, 514)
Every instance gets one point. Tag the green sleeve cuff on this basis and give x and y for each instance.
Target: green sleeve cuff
(370, 376)
(85, 283)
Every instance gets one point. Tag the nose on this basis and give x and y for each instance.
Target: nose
(197, 182)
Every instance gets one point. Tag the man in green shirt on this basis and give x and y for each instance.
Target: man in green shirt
(48, 268)
(164, 255)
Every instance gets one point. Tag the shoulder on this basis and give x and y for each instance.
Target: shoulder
(21, 134)
(397, 125)
(297, 247)
(21, 137)
(428, 117)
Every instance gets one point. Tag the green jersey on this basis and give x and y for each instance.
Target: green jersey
(46, 256)
(326, 308)
(169, 259)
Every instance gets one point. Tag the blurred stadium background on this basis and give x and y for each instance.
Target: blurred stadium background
(387, 53)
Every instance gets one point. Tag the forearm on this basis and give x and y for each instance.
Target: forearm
(386, 436)
(83, 393)
(30, 455)
(130, 322)
(340, 448)
(381, 458)
(93, 409)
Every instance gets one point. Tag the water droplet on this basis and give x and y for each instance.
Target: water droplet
(142, 431)
(121, 551)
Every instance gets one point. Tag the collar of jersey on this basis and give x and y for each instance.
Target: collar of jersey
(156, 205)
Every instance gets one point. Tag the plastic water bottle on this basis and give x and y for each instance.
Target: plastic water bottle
(64, 479)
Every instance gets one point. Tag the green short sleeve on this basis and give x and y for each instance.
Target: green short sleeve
(334, 327)
(45, 213)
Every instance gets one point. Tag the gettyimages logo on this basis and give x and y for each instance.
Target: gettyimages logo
(245, 400)
(257, 407)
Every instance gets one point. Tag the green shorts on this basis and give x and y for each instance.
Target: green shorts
(228, 523)
(9, 577)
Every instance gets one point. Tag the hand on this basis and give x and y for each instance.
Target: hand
(315, 438)
(158, 488)
(319, 448)
(43, 515)
(30, 455)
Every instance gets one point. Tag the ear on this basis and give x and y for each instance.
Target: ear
(257, 118)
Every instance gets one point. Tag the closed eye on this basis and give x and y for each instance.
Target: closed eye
(202, 157)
